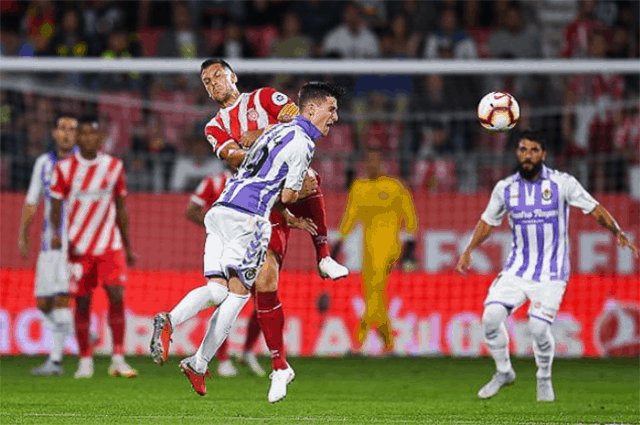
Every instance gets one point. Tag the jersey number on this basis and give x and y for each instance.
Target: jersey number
(257, 164)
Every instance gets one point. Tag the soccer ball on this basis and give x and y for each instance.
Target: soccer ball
(498, 111)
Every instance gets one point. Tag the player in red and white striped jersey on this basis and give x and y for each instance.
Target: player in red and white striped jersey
(201, 200)
(93, 187)
(241, 119)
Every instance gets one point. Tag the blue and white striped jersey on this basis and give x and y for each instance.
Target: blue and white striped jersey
(278, 159)
(40, 185)
(539, 220)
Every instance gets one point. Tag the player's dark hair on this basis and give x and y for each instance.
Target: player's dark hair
(63, 115)
(534, 136)
(215, 61)
(318, 90)
(89, 119)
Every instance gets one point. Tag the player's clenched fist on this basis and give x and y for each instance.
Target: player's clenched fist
(464, 262)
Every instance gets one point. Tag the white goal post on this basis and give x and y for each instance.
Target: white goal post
(325, 66)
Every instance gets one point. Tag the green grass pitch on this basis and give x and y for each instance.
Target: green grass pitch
(326, 391)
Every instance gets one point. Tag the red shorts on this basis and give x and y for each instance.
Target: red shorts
(87, 271)
(280, 231)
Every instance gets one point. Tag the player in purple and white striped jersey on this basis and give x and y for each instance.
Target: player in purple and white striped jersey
(537, 201)
(238, 230)
(52, 283)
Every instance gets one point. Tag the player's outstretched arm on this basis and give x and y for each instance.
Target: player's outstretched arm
(294, 222)
(480, 234)
(122, 221)
(605, 219)
(195, 213)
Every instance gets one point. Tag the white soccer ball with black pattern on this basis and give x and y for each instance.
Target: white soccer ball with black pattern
(498, 111)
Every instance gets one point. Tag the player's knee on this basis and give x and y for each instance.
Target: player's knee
(115, 294)
(44, 304)
(539, 328)
(218, 290)
(492, 317)
(62, 301)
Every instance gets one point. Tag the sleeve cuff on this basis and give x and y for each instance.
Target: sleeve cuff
(590, 209)
(56, 195)
(489, 221)
(222, 146)
(197, 200)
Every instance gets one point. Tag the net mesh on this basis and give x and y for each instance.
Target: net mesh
(427, 129)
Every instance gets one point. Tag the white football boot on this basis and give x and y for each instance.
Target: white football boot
(251, 360)
(498, 381)
(328, 267)
(227, 369)
(279, 380)
(121, 368)
(48, 368)
(545, 390)
(85, 368)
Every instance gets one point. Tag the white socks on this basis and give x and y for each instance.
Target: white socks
(543, 346)
(219, 326)
(497, 336)
(63, 320)
(196, 301)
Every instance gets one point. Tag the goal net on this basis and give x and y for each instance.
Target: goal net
(421, 115)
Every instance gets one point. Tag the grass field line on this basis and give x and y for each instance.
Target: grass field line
(236, 418)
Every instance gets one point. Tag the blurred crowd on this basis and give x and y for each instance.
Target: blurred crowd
(426, 123)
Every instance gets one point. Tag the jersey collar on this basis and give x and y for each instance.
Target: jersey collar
(87, 161)
(310, 129)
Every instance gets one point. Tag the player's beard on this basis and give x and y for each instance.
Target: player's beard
(528, 174)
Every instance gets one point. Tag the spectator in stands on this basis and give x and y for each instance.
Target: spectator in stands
(69, 41)
(150, 163)
(317, 17)
(182, 40)
(352, 39)
(121, 44)
(10, 42)
(101, 18)
(400, 41)
(515, 39)
(592, 110)
(374, 13)
(262, 13)
(235, 44)
(422, 14)
(627, 144)
(291, 43)
(576, 36)
(195, 165)
(450, 35)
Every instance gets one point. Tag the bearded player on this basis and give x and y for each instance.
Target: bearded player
(93, 186)
(537, 201)
(52, 281)
(241, 119)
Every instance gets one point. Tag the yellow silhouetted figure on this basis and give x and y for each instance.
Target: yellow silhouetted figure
(381, 203)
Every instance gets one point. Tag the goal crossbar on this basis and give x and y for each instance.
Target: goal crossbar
(325, 66)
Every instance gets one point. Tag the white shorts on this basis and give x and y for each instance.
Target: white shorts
(52, 274)
(512, 291)
(235, 241)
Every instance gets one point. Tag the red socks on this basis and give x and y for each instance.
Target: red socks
(82, 319)
(271, 318)
(253, 331)
(116, 323)
(314, 208)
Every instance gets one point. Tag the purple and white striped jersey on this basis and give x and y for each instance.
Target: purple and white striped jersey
(539, 221)
(278, 159)
(40, 185)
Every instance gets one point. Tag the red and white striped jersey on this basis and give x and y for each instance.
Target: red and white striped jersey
(89, 188)
(251, 111)
(209, 189)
